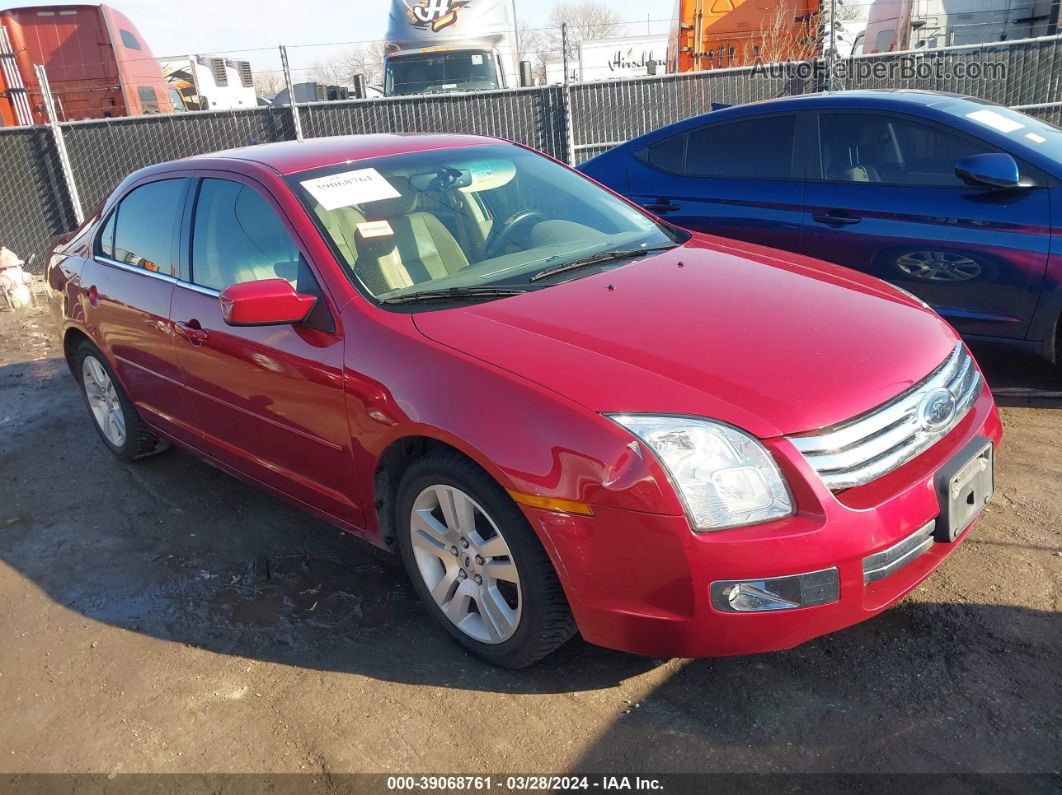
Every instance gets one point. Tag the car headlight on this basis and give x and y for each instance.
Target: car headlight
(725, 477)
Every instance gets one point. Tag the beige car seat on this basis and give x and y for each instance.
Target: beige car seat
(413, 247)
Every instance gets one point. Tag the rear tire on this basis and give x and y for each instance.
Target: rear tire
(477, 565)
(110, 409)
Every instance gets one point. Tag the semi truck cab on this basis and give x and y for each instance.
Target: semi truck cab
(434, 72)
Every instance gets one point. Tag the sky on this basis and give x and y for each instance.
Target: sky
(226, 26)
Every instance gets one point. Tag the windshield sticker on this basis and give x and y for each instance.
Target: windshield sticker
(488, 174)
(349, 188)
(1036, 139)
(997, 121)
(375, 229)
(477, 60)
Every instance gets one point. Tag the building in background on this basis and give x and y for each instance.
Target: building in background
(98, 65)
(206, 83)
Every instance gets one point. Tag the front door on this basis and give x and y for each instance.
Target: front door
(269, 399)
(739, 179)
(887, 202)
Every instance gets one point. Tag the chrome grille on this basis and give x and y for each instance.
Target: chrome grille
(865, 448)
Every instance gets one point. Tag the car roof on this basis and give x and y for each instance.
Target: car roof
(864, 98)
(291, 157)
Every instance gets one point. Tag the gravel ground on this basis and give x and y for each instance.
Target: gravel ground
(142, 632)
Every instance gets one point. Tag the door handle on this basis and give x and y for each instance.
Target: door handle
(834, 219)
(661, 206)
(192, 331)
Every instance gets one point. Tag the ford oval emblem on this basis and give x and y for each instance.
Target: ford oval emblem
(936, 409)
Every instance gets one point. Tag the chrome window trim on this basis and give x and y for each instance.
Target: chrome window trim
(165, 277)
(888, 561)
(198, 288)
(862, 449)
(137, 269)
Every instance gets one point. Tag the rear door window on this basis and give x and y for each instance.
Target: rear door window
(760, 148)
(143, 232)
(669, 155)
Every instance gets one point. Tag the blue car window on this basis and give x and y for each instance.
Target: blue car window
(760, 148)
(669, 155)
(871, 147)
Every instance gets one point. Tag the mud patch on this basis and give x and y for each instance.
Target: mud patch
(304, 593)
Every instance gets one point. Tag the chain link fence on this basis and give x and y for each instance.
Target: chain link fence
(102, 153)
(33, 204)
(36, 207)
(531, 116)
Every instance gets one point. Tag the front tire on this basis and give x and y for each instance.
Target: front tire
(112, 412)
(477, 565)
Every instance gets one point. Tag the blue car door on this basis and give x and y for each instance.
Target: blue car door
(883, 197)
(740, 178)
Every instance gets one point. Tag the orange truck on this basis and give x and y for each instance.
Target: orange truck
(98, 65)
(713, 34)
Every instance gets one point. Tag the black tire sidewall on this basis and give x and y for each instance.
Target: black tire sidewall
(518, 650)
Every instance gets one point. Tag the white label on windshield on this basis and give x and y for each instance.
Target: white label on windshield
(477, 60)
(375, 229)
(350, 187)
(997, 121)
(1036, 139)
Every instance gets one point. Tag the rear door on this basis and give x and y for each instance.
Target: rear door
(741, 179)
(129, 282)
(270, 399)
(885, 200)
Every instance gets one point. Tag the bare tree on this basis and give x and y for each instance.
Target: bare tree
(339, 70)
(534, 47)
(786, 37)
(586, 19)
(268, 84)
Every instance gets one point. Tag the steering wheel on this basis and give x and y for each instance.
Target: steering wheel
(507, 232)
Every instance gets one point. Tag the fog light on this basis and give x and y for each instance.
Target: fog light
(776, 593)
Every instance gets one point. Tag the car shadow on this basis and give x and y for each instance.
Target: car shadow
(925, 687)
(176, 550)
(1019, 379)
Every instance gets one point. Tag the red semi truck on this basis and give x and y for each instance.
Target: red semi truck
(97, 62)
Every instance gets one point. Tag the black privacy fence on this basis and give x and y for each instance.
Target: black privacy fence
(570, 123)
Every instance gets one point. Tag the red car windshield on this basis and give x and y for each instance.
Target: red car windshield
(467, 217)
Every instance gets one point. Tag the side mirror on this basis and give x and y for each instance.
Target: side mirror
(269, 302)
(990, 170)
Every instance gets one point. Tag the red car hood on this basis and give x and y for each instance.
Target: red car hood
(771, 342)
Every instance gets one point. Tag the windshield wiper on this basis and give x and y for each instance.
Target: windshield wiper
(597, 259)
(451, 293)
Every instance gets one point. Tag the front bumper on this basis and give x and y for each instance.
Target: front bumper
(641, 582)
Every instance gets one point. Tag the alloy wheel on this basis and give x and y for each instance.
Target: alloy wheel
(103, 401)
(938, 266)
(465, 563)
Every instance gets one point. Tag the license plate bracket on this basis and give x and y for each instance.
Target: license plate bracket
(964, 486)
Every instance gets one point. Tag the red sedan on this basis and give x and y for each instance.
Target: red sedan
(563, 413)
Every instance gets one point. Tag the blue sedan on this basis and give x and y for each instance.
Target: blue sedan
(951, 198)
